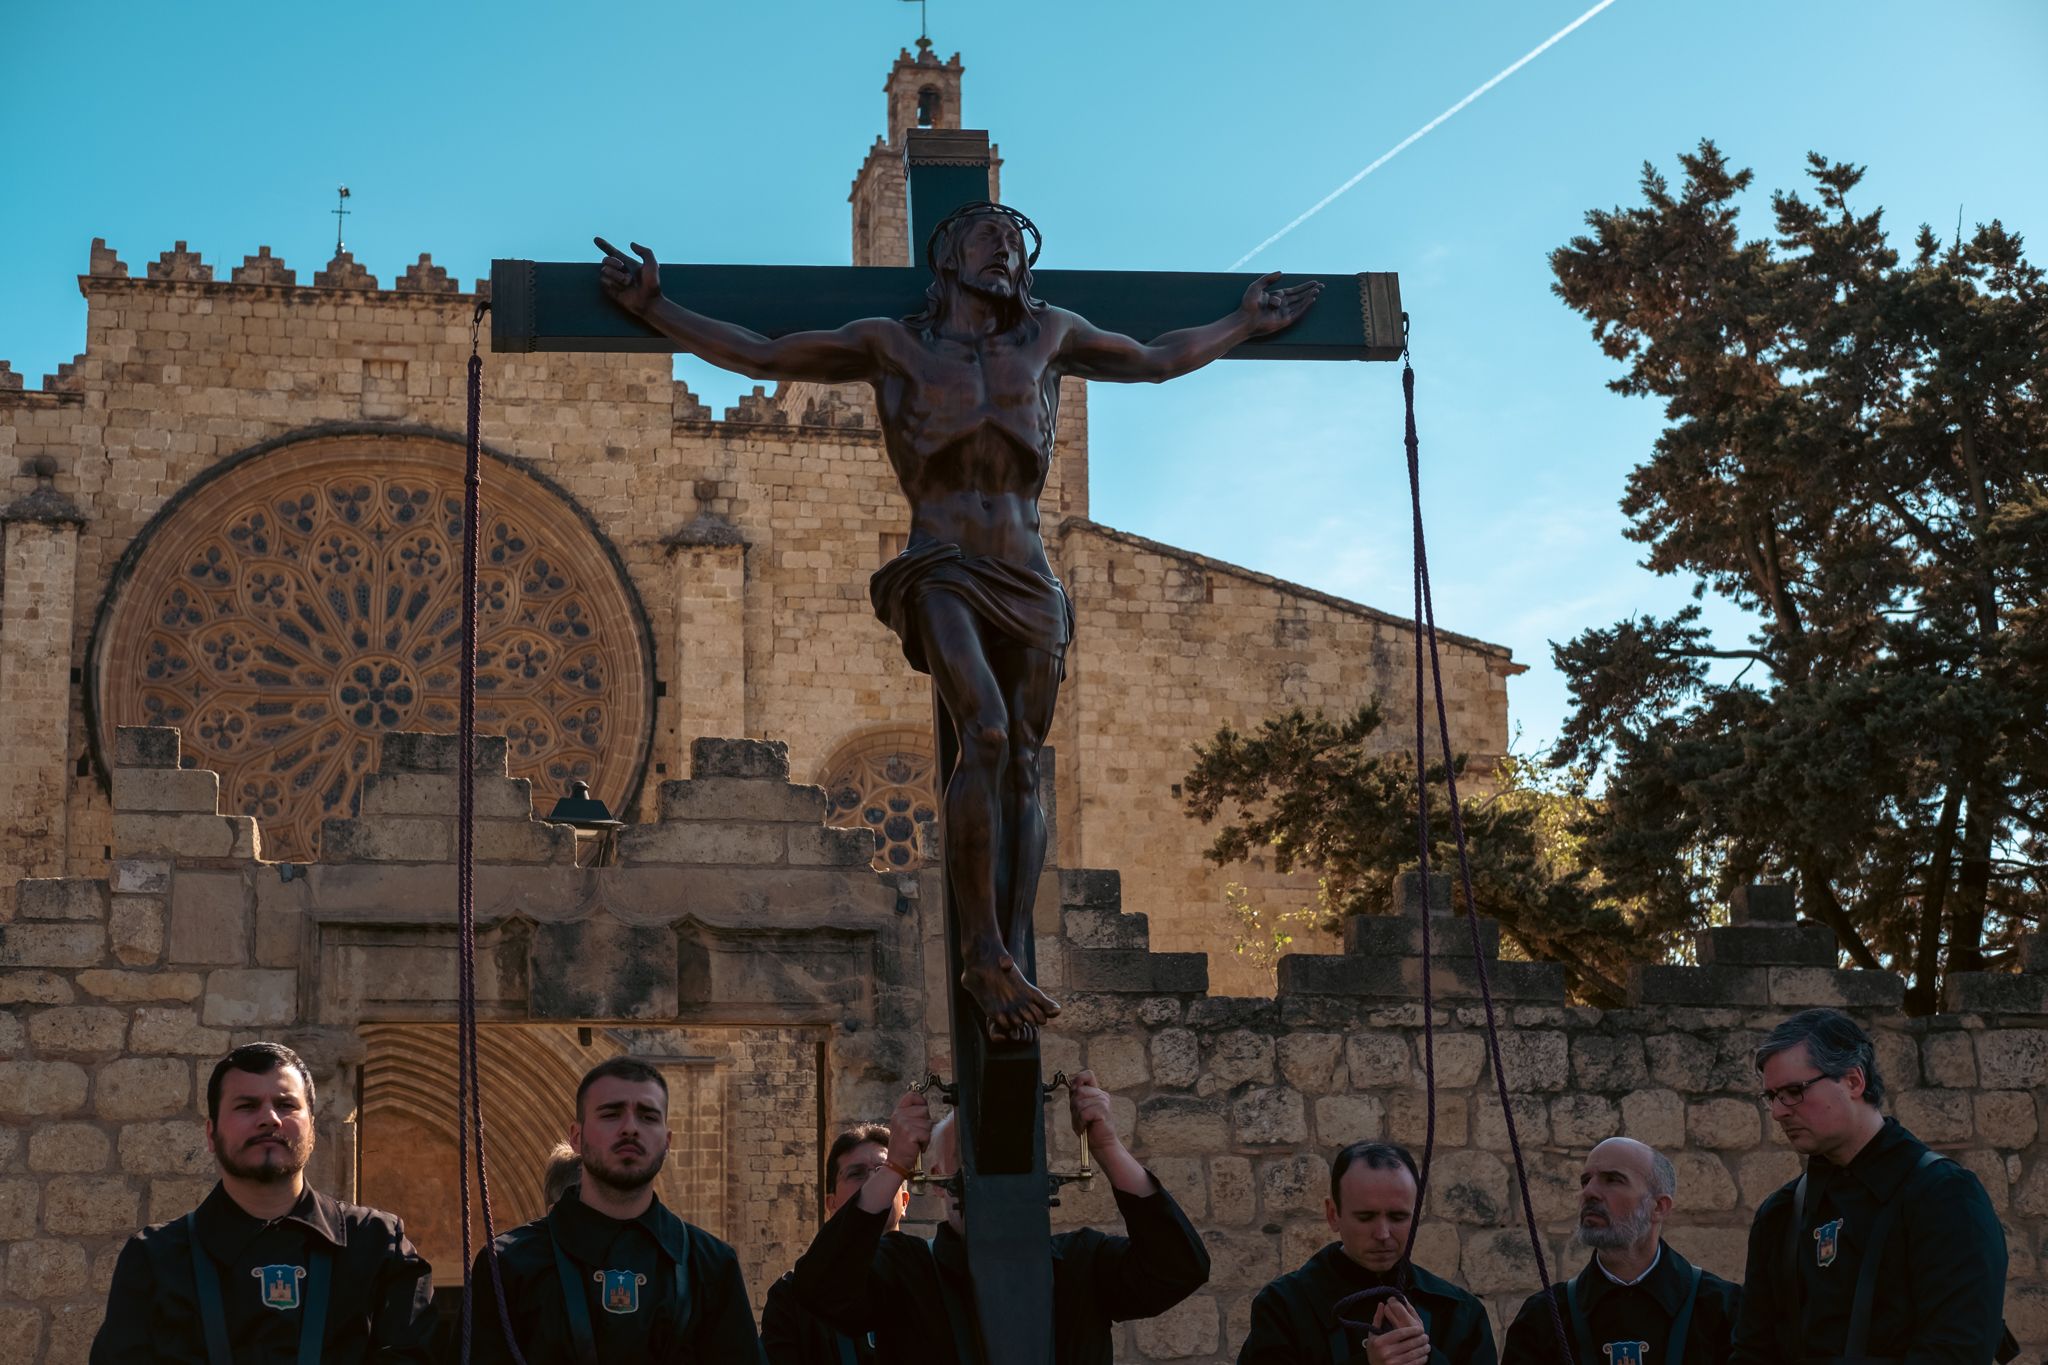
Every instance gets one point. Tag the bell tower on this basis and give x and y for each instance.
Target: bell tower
(921, 92)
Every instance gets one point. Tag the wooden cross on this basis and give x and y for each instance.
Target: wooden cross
(998, 1090)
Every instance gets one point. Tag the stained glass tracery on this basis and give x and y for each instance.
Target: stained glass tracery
(301, 604)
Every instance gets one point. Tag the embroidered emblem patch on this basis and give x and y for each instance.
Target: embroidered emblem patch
(620, 1290)
(280, 1285)
(1827, 1243)
(1626, 1352)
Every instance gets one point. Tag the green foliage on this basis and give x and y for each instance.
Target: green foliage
(1854, 457)
(1315, 794)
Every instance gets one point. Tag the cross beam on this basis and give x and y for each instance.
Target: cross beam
(559, 306)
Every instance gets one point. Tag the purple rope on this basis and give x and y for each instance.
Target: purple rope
(1425, 620)
(468, 1090)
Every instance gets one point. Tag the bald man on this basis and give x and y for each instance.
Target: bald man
(1637, 1302)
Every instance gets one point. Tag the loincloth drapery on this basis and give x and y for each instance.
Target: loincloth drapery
(1024, 606)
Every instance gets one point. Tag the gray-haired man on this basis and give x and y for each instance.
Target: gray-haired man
(1637, 1300)
(1883, 1249)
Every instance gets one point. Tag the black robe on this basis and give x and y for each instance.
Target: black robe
(1644, 1311)
(1294, 1319)
(631, 1319)
(379, 1308)
(792, 1334)
(1941, 1274)
(861, 1279)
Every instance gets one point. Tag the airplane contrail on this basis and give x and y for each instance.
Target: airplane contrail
(1409, 141)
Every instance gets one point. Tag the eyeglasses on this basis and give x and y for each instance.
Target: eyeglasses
(856, 1174)
(1792, 1093)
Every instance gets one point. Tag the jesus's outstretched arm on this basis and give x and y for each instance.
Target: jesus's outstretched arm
(840, 356)
(1088, 352)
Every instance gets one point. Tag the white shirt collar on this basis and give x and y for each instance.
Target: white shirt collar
(1638, 1279)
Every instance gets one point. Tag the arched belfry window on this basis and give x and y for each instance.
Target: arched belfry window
(929, 104)
(883, 781)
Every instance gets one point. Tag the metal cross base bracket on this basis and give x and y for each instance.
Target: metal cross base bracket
(923, 1182)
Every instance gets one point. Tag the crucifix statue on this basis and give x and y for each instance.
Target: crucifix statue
(968, 390)
(964, 353)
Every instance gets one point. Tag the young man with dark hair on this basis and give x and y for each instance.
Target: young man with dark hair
(1882, 1248)
(790, 1333)
(608, 1273)
(267, 1269)
(1637, 1299)
(917, 1296)
(1370, 1209)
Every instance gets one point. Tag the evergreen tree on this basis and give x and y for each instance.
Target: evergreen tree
(1326, 796)
(1854, 455)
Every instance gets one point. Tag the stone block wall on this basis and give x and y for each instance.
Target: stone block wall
(736, 932)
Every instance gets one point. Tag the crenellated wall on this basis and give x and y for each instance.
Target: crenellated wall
(747, 540)
(790, 989)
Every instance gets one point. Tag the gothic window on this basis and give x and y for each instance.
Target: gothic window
(289, 609)
(884, 783)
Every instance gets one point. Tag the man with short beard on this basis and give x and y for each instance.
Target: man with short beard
(1637, 1300)
(267, 1269)
(609, 1274)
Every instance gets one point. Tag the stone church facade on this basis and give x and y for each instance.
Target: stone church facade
(232, 515)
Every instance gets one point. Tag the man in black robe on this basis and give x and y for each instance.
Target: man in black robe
(1637, 1300)
(608, 1273)
(916, 1297)
(267, 1270)
(1883, 1248)
(1370, 1208)
(792, 1334)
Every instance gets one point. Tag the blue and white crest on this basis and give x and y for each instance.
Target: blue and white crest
(280, 1285)
(1827, 1243)
(621, 1290)
(1625, 1352)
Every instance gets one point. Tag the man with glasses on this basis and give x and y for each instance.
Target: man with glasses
(1882, 1250)
(790, 1333)
(1637, 1299)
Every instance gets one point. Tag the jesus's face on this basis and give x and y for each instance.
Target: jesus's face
(989, 252)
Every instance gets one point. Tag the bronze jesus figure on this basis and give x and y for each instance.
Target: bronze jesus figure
(968, 392)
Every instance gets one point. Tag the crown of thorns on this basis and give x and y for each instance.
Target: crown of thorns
(989, 206)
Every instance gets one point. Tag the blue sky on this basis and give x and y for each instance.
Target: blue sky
(1162, 134)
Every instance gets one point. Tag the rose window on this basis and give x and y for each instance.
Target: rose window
(888, 791)
(290, 609)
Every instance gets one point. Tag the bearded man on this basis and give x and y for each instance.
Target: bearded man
(1637, 1300)
(267, 1269)
(968, 394)
(609, 1273)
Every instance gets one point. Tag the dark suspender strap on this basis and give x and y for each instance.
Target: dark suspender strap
(1793, 1309)
(213, 1313)
(1681, 1326)
(1340, 1345)
(1858, 1335)
(1582, 1331)
(574, 1304)
(847, 1355)
(680, 1303)
(313, 1312)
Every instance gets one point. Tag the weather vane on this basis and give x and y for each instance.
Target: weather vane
(922, 35)
(339, 213)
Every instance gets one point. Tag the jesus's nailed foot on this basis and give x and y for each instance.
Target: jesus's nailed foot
(1013, 1007)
